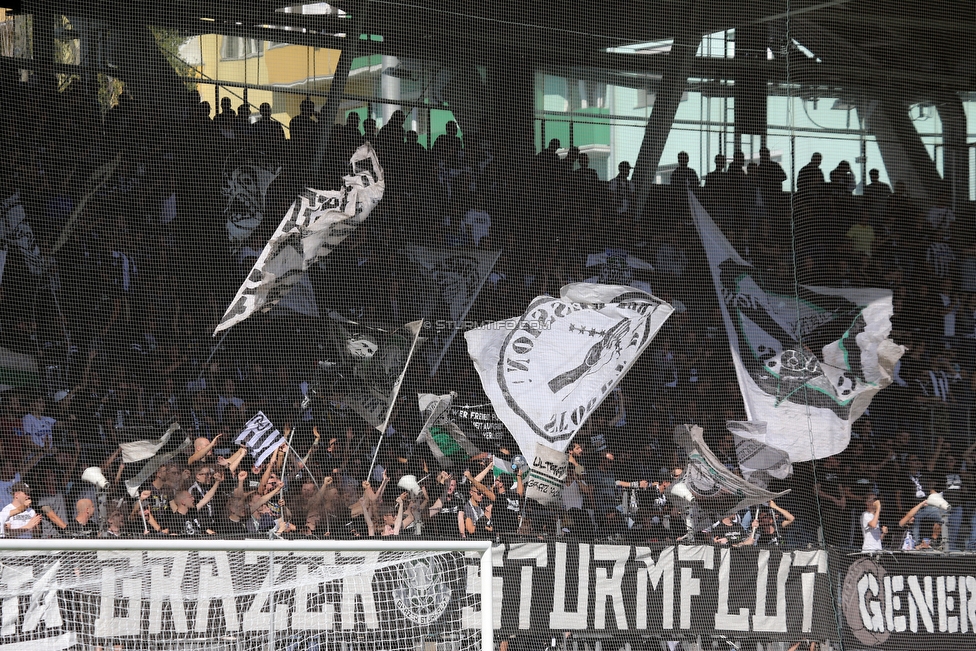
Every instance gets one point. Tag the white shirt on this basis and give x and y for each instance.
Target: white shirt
(18, 521)
(872, 535)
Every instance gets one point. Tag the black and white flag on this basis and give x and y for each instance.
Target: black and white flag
(15, 232)
(758, 461)
(617, 267)
(143, 444)
(483, 428)
(447, 283)
(260, 437)
(548, 370)
(369, 366)
(313, 227)
(808, 364)
(708, 491)
(246, 183)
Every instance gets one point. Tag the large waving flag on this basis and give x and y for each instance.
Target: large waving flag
(448, 282)
(370, 364)
(548, 370)
(808, 365)
(317, 222)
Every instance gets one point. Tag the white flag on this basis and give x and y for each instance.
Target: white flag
(807, 364)
(544, 483)
(316, 223)
(758, 461)
(548, 370)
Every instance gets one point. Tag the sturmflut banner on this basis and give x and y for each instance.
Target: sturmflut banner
(58, 600)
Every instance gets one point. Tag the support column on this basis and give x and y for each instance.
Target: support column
(955, 169)
(904, 154)
(666, 100)
(511, 124)
(338, 86)
(751, 78)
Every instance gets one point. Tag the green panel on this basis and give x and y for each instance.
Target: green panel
(438, 123)
(557, 129)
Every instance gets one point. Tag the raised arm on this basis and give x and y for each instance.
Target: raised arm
(788, 517)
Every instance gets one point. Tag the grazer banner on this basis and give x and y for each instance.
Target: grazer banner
(63, 599)
(910, 600)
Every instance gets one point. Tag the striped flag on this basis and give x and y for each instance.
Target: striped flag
(260, 437)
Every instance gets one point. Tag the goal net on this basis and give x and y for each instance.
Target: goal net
(246, 595)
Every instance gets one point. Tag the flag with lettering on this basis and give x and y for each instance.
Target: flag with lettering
(809, 363)
(317, 222)
(548, 370)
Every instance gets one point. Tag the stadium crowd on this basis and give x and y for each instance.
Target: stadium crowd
(139, 270)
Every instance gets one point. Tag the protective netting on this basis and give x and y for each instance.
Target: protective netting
(242, 600)
(584, 279)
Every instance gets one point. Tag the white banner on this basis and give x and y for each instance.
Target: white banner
(544, 483)
(808, 364)
(548, 370)
(316, 223)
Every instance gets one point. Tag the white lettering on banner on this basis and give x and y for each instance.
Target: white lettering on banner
(497, 583)
(528, 551)
(108, 624)
(255, 619)
(560, 618)
(723, 620)
(690, 586)
(610, 585)
(12, 578)
(772, 623)
(216, 583)
(882, 604)
(808, 580)
(359, 587)
(664, 568)
(471, 616)
(44, 602)
(165, 586)
(309, 585)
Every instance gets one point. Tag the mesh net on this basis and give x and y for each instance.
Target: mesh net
(689, 276)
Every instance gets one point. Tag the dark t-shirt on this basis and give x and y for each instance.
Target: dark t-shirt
(77, 530)
(180, 524)
(734, 532)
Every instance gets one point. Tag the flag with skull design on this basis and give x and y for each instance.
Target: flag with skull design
(366, 367)
(808, 362)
